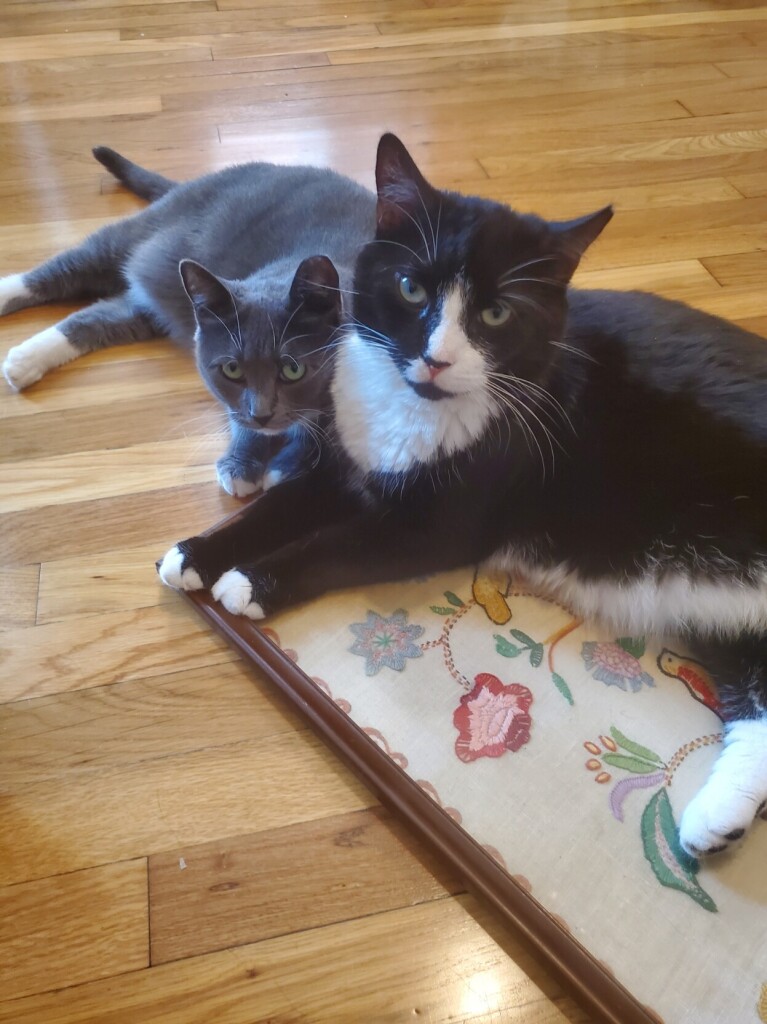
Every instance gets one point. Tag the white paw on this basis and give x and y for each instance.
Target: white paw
(173, 574)
(235, 485)
(12, 287)
(272, 477)
(31, 360)
(720, 814)
(234, 591)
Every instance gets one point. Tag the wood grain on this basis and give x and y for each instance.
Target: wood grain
(109, 647)
(73, 928)
(88, 818)
(129, 735)
(57, 737)
(233, 892)
(18, 596)
(395, 977)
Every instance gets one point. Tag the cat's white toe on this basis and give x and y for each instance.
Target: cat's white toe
(721, 813)
(271, 478)
(173, 574)
(235, 593)
(710, 825)
(28, 362)
(235, 485)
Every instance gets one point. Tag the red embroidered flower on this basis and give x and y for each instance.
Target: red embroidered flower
(492, 719)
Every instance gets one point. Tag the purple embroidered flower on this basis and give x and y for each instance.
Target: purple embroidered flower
(385, 641)
(613, 665)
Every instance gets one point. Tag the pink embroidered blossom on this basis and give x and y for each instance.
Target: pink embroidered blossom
(613, 665)
(492, 719)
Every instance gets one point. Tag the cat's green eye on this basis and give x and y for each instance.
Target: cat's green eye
(232, 370)
(496, 315)
(411, 291)
(291, 370)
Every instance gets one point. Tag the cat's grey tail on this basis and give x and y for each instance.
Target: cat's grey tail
(144, 183)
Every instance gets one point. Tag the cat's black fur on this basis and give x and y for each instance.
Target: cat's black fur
(627, 448)
(282, 242)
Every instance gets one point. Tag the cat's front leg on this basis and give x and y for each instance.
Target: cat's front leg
(279, 517)
(240, 470)
(369, 548)
(736, 791)
(298, 455)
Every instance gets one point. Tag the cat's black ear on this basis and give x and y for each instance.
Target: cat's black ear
(402, 189)
(316, 285)
(205, 290)
(575, 236)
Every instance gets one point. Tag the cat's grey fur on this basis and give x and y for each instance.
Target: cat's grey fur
(282, 242)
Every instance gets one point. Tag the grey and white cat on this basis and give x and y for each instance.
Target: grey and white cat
(282, 242)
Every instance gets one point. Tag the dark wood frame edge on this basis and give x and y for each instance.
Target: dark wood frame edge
(601, 994)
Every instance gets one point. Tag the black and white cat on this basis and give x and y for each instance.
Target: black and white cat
(611, 447)
(278, 236)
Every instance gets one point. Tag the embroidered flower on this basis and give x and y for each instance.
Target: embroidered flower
(492, 719)
(613, 665)
(385, 641)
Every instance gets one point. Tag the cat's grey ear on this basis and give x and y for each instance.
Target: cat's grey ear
(316, 285)
(402, 189)
(575, 236)
(205, 290)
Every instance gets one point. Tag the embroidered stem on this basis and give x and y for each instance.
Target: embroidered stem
(560, 634)
(686, 750)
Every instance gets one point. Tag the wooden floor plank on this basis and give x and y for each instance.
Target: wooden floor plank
(110, 581)
(742, 269)
(110, 647)
(396, 977)
(160, 516)
(18, 596)
(119, 425)
(234, 892)
(84, 731)
(68, 930)
(87, 475)
(90, 818)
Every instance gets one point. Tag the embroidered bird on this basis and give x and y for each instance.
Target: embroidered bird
(693, 675)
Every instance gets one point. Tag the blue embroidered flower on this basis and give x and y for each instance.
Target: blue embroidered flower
(381, 641)
(613, 665)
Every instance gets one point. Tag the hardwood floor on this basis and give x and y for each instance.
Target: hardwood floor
(175, 844)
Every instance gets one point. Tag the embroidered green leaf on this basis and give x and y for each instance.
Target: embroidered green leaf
(635, 748)
(562, 686)
(523, 638)
(454, 599)
(634, 645)
(536, 655)
(671, 865)
(631, 764)
(503, 647)
(762, 1007)
(439, 610)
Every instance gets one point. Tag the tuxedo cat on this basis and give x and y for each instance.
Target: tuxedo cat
(609, 447)
(264, 328)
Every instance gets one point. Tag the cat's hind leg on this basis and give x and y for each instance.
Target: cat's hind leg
(90, 270)
(736, 791)
(104, 324)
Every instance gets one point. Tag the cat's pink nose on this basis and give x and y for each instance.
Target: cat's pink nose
(435, 367)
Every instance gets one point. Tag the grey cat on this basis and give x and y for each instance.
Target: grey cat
(282, 241)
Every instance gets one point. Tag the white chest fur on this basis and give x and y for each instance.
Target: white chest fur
(385, 426)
